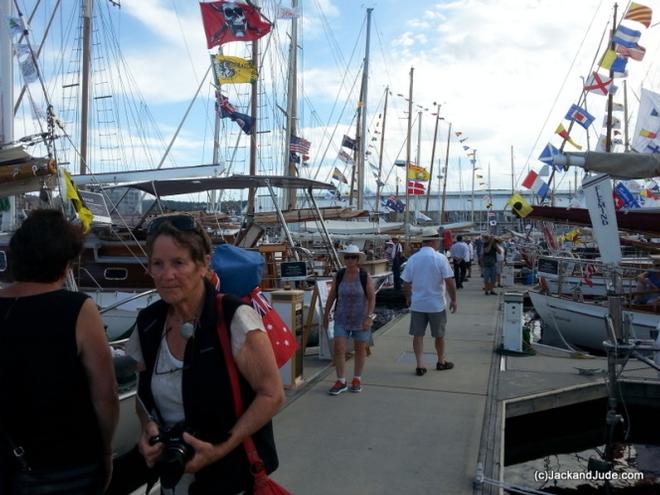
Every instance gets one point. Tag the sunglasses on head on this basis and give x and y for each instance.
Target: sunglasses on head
(351, 257)
(185, 223)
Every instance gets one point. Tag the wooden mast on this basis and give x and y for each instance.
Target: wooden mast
(84, 103)
(291, 109)
(363, 104)
(253, 135)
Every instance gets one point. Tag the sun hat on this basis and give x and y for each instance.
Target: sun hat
(353, 249)
(430, 234)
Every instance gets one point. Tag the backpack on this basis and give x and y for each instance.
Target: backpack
(340, 276)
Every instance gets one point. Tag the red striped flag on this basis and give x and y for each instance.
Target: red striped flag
(640, 13)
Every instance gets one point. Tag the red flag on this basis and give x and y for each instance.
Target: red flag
(415, 188)
(530, 179)
(226, 21)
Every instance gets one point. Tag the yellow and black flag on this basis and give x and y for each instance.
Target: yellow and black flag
(233, 70)
(519, 206)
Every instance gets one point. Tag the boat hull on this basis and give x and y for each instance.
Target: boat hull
(583, 324)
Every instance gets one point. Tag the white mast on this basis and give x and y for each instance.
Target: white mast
(6, 98)
(291, 110)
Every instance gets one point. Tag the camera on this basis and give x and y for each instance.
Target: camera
(176, 453)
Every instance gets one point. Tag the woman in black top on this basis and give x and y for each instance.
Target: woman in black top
(60, 404)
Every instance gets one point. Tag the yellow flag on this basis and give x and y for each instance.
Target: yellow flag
(415, 172)
(561, 130)
(233, 70)
(519, 206)
(86, 216)
(608, 59)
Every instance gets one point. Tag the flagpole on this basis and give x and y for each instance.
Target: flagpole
(291, 109)
(626, 141)
(435, 138)
(444, 178)
(407, 215)
(610, 96)
(382, 143)
(253, 136)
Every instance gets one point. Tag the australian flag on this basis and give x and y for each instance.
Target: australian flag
(226, 109)
(393, 204)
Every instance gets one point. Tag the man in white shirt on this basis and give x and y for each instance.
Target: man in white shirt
(460, 256)
(426, 276)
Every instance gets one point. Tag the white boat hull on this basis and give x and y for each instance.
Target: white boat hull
(583, 324)
(571, 284)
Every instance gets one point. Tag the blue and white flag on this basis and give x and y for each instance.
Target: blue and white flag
(626, 37)
(626, 196)
(548, 154)
(580, 115)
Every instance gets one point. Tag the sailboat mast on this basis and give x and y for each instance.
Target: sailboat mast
(291, 107)
(610, 96)
(626, 139)
(474, 171)
(444, 176)
(382, 143)
(513, 173)
(253, 135)
(363, 101)
(407, 215)
(84, 103)
(6, 99)
(435, 138)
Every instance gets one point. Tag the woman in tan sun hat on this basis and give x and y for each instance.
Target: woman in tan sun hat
(355, 294)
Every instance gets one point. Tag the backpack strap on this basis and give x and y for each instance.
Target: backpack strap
(363, 280)
(340, 276)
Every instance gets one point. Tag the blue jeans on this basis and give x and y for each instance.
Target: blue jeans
(358, 335)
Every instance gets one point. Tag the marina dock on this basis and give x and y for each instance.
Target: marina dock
(440, 432)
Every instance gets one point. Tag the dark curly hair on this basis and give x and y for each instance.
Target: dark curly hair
(44, 244)
(188, 234)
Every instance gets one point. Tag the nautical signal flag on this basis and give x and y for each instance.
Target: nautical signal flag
(548, 154)
(561, 131)
(648, 134)
(348, 142)
(226, 109)
(415, 172)
(345, 157)
(640, 13)
(519, 206)
(84, 214)
(232, 21)
(535, 183)
(597, 83)
(626, 37)
(416, 188)
(233, 70)
(636, 53)
(580, 115)
(337, 175)
(611, 61)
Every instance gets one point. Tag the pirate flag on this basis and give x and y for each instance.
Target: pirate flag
(232, 21)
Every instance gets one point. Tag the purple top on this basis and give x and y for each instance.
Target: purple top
(351, 307)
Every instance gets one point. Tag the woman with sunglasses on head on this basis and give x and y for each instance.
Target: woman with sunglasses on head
(59, 406)
(184, 381)
(354, 292)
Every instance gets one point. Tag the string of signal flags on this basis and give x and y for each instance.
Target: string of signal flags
(625, 40)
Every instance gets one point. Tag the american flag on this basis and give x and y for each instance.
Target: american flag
(299, 145)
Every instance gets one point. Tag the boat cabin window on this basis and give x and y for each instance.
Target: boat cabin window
(115, 273)
(3, 261)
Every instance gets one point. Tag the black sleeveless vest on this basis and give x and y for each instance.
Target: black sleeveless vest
(206, 389)
(46, 406)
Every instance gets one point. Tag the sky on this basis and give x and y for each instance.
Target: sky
(504, 73)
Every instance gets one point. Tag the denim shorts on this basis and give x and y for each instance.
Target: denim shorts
(357, 335)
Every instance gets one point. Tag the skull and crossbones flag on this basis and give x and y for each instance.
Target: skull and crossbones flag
(232, 21)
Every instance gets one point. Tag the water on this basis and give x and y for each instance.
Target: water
(638, 461)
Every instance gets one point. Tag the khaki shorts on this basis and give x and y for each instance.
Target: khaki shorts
(420, 320)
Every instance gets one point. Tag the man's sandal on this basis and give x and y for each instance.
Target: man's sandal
(420, 371)
(445, 365)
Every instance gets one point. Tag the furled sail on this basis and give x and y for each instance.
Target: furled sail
(617, 165)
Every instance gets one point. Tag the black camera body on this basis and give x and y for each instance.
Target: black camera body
(176, 453)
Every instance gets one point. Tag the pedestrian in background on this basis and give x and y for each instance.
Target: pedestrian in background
(427, 277)
(355, 296)
(460, 256)
(490, 264)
